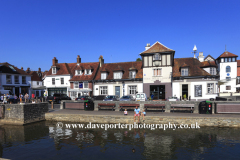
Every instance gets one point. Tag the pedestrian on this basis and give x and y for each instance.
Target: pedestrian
(26, 98)
(15, 98)
(137, 114)
(143, 114)
(4, 99)
(125, 112)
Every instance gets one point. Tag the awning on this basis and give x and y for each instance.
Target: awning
(80, 90)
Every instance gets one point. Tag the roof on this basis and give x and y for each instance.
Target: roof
(209, 57)
(9, 68)
(205, 64)
(125, 67)
(34, 76)
(156, 48)
(227, 54)
(93, 66)
(62, 69)
(194, 67)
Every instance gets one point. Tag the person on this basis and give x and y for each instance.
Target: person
(26, 97)
(4, 99)
(15, 98)
(8, 96)
(143, 114)
(20, 97)
(137, 114)
(125, 112)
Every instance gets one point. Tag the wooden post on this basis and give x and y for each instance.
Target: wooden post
(52, 104)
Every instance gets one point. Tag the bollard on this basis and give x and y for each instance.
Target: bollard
(42, 99)
(52, 104)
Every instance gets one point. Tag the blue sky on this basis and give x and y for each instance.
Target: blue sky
(32, 32)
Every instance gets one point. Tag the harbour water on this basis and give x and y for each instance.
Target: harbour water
(44, 140)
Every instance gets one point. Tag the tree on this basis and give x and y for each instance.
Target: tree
(138, 59)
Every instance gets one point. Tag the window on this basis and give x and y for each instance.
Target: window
(132, 89)
(53, 81)
(85, 84)
(238, 80)
(76, 85)
(103, 90)
(228, 69)
(226, 59)
(16, 79)
(210, 88)
(157, 57)
(73, 94)
(38, 83)
(62, 80)
(54, 70)
(157, 72)
(228, 78)
(233, 59)
(37, 93)
(78, 72)
(118, 75)
(228, 87)
(23, 79)
(9, 79)
(198, 90)
(132, 74)
(213, 71)
(103, 75)
(222, 59)
(88, 71)
(184, 71)
(229, 59)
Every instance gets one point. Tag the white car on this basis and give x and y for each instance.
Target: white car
(141, 97)
(172, 99)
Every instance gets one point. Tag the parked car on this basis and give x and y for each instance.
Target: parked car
(85, 98)
(57, 97)
(172, 99)
(99, 98)
(141, 97)
(111, 98)
(127, 98)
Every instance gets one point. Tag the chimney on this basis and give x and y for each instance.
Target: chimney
(78, 60)
(28, 70)
(21, 68)
(101, 60)
(54, 61)
(201, 57)
(39, 70)
(147, 46)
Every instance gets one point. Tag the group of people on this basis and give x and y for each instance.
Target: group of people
(5, 98)
(137, 113)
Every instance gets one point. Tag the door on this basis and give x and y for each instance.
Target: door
(184, 91)
(157, 92)
(17, 91)
(117, 91)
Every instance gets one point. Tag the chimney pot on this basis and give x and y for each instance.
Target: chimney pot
(54, 61)
(78, 60)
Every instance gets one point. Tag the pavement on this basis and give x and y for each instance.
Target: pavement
(59, 111)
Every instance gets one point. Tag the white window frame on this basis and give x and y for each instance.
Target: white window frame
(53, 81)
(104, 75)
(78, 72)
(61, 81)
(16, 79)
(210, 88)
(9, 79)
(54, 70)
(117, 75)
(228, 69)
(85, 83)
(157, 57)
(212, 71)
(76, 84)
(157, 70)
(103, 90)
(228, 88)
(184, 71)
(132, 74)
(132, 90)
(228, 78)
(88, 72)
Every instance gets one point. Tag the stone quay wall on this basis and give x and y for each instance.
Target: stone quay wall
(20, 114)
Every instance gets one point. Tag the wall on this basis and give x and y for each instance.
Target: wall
(28, 79)
(48, 81)
(168, 88)
(164, 78)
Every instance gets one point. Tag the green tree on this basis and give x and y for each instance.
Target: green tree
(138, 59)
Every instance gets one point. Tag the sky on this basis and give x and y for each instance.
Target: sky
(32, 32)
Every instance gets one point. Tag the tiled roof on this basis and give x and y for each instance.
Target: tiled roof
(93, 65)
(6, 68)
(208, 64)
(34, 76)
(125, 66)
(118, 68)
(184, 65)
(227, 54)
(156, 48)
(209, 56)
(62, 69)
(193, 70)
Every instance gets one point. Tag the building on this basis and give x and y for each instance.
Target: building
(157, 62)
(14, 79)
(227, 68)
(124, 78)
(81, 82)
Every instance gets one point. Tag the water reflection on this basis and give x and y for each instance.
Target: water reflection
(51, 142)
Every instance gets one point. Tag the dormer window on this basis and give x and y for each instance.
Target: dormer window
(157, 57)
(132, 74)
(104, 75)
(76, 85)
(212, 71)
(54, 70)
(78, 72)
(88, 72)
(117, 75)
(184, 72)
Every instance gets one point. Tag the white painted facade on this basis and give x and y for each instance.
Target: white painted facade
(165, 77)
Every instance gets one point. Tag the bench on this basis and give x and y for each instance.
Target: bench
(124, 106)
(106, 106)
(184, 107)
(154, 107)
(228, 108)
